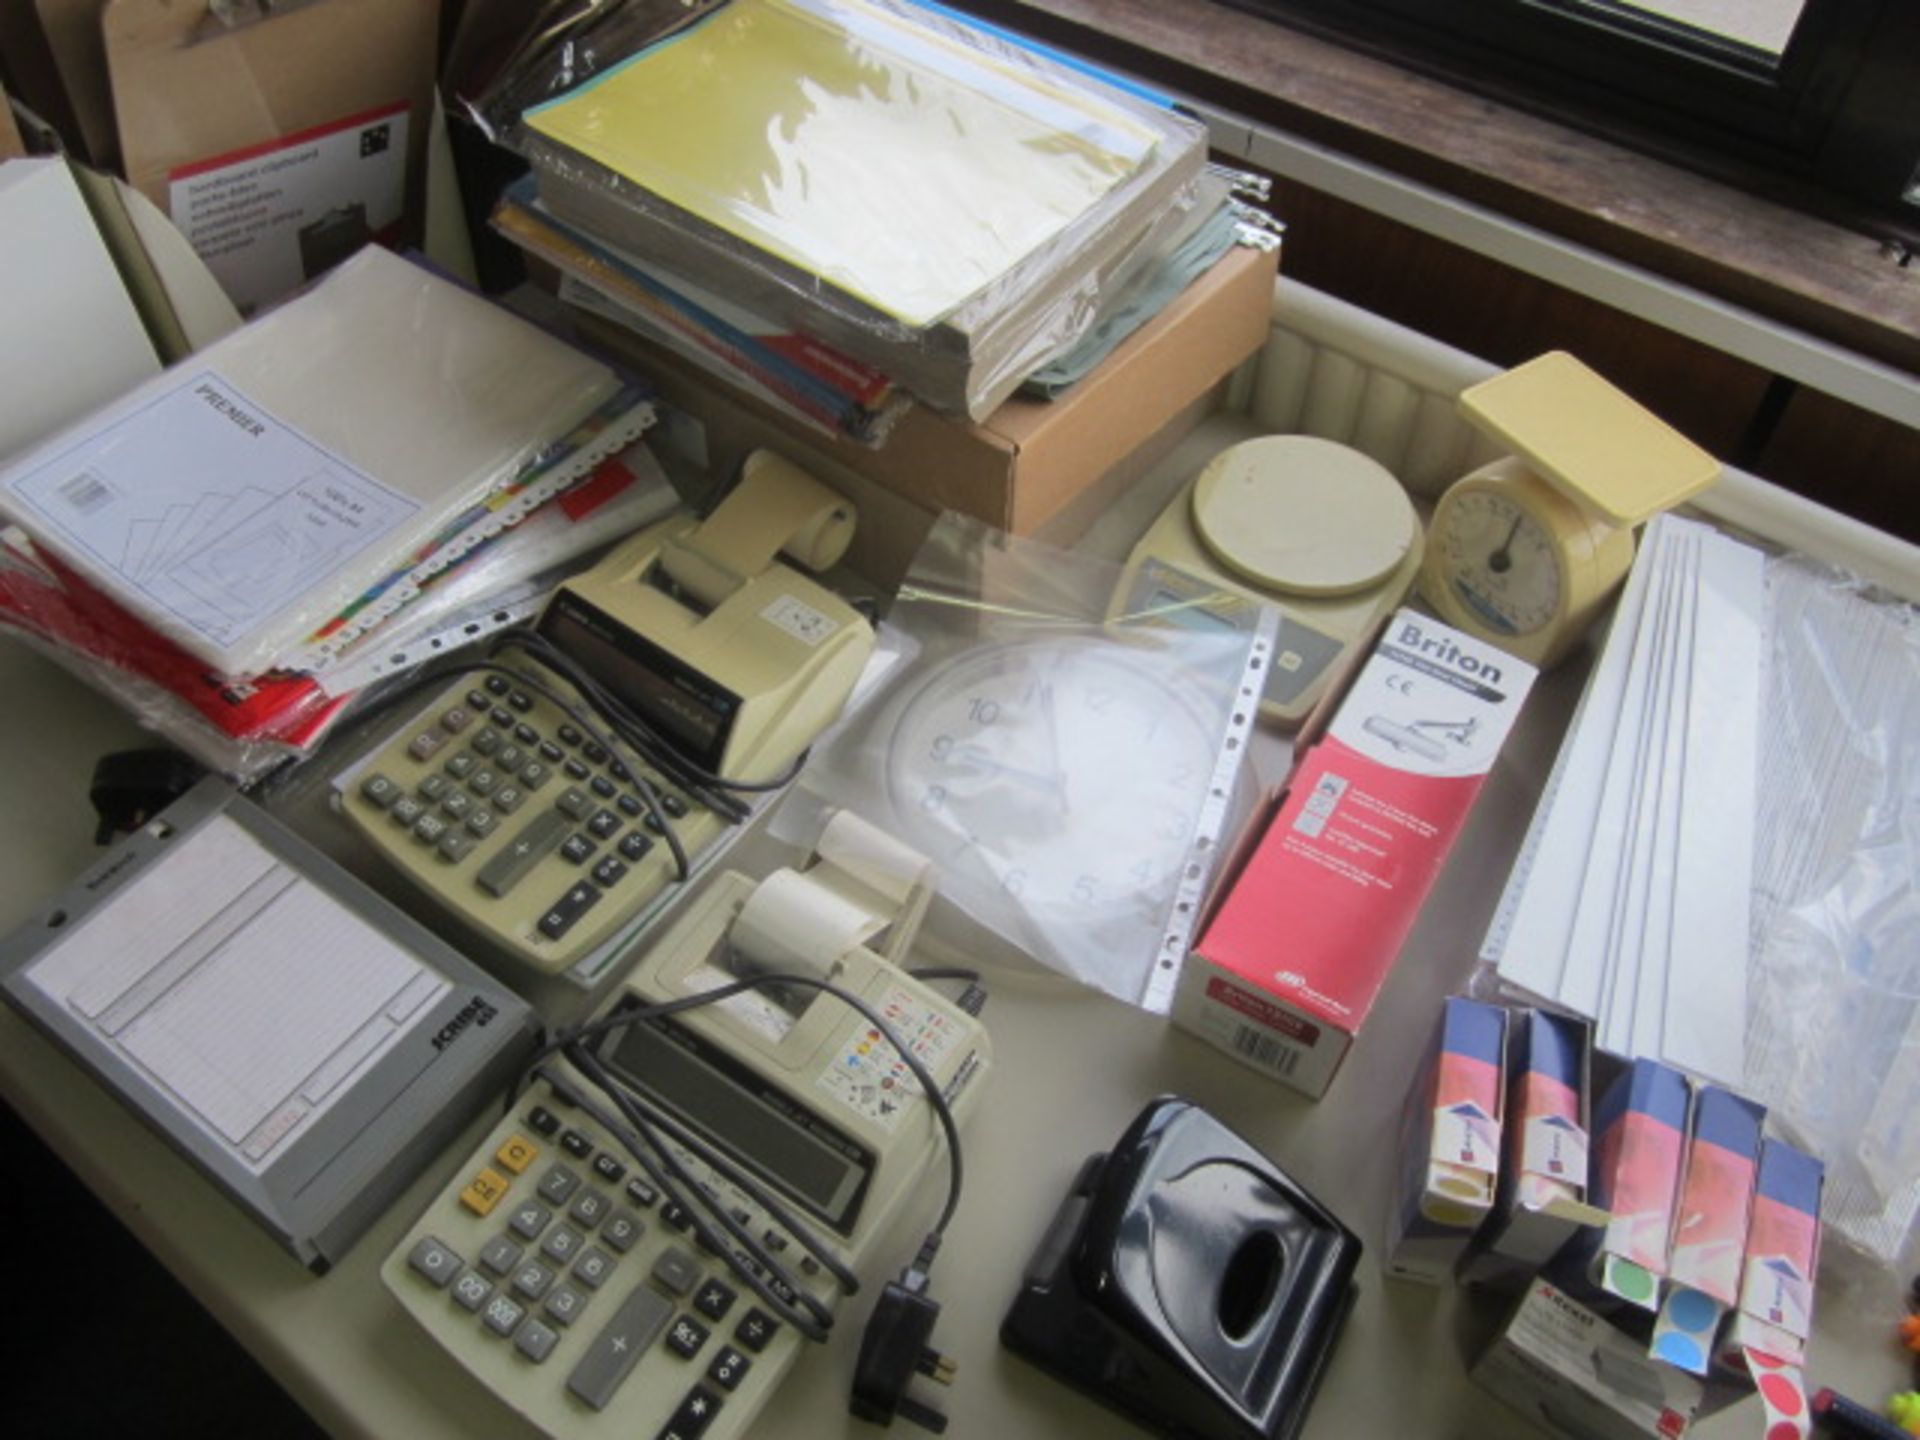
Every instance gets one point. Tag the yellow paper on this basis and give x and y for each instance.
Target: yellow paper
(874, 152)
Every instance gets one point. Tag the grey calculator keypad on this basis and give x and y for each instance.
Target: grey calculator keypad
(470, 788)
(553, 1259)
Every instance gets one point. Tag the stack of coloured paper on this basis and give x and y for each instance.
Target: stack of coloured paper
(787, 369)
(1630, 900)
(932, 199)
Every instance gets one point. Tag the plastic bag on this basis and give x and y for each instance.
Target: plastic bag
(1059, 771)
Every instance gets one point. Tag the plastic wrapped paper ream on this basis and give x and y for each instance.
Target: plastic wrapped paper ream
(790, 925)
(964, 166)
(952, 225)
(243, 498)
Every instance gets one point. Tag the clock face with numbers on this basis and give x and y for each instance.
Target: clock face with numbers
(1069, 774)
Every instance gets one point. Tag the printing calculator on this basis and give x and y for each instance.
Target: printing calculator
(596, 1300)
(517, 817)
(502, 808)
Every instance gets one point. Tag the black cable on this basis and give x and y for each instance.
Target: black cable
(648, 795)
(813, 1320)
(568, 1042)
(941, 1110)
(640, 736)
(653, 1118)
(657, 1165)
(698, 776)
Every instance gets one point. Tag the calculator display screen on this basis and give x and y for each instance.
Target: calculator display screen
(693, 712)
(747, 1115)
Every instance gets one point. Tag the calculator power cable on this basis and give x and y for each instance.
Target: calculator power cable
(894, 1346)
(608, 723)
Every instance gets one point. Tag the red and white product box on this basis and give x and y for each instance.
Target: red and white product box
(1298, 946)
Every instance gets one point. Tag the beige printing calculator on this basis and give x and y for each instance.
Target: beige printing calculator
(560, 1271)
(522, 823)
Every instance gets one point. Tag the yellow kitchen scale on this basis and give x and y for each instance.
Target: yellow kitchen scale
(1524, 552)
(1316, 529)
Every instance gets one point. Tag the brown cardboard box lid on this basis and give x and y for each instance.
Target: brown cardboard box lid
(1030, 458)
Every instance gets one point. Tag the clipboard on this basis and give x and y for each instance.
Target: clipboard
(304, 1043)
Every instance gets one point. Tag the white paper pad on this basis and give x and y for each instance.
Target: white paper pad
(1629, 904)
(237, 502)
(248, 993)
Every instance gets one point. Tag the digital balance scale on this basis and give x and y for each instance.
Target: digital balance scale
(1314, 528)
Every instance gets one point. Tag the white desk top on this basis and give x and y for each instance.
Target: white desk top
(1071, 1070)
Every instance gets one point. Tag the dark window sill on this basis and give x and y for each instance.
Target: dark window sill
(1839, 280)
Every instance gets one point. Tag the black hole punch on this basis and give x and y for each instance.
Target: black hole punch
(56, 919)
(1249, 1282)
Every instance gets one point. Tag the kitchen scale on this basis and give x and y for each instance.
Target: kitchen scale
(1524, 552)
(1316, 529)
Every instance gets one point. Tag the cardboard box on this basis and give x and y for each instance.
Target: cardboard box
(1709, 1227)
(1542, 1199)
(1640, 1130)
(1450, 1143)
(1306, 931)
(1030, 459)
(1570, 1371)
(278, 144)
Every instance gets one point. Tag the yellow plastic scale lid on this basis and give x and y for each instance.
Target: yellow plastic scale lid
(1599, 446)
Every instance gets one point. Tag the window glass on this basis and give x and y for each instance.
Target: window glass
(1763, 25)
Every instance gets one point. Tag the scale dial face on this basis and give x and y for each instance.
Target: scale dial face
(1513, 561)
(1073, 773)
(1501, 562)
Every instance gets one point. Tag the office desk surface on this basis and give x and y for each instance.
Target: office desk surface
(1071, 1069)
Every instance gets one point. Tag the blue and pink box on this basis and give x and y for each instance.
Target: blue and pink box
(1449, 1143)
(1774, 1315)
(1708, 1248)
(1640, 1139)
(1541, 1201)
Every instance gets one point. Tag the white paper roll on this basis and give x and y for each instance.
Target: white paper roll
(791, 924)
(872, 857)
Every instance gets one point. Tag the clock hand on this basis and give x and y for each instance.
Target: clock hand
(1501, 560)
(1053, 741)
(976, 758)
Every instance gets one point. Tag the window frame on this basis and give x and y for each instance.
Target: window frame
(1835, 110)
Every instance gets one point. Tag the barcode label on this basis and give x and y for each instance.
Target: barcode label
(1269, 1052)
(85, 492)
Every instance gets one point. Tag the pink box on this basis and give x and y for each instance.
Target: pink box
(1709, 1227)
(1449, 1143)
(1640, 1129)
(1541, 1203)
(1775, 1312)
(1302, 938)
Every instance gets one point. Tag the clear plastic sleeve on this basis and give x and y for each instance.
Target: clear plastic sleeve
(241, 730)
(505, 580)
(1054, 768)
(1833, 1036)
(241, 499)
(937, 199)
